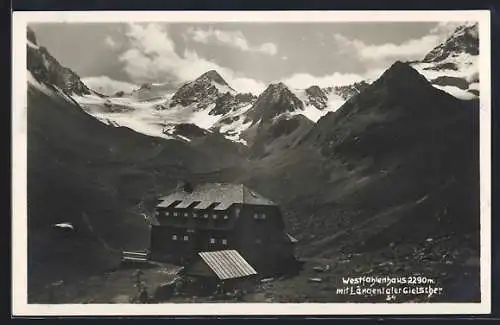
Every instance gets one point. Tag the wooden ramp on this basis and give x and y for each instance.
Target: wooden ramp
(135, 257)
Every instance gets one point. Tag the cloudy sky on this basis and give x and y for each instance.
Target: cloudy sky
(248, 55)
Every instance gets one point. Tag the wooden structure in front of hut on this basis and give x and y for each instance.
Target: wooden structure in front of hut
(220, 272)
(222, 216)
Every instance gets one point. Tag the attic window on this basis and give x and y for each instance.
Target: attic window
(174, 237)
(193, 204)
(253, 194)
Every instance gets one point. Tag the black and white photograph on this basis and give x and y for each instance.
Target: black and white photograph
(171, 162)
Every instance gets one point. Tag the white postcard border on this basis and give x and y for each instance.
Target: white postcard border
(20, 307)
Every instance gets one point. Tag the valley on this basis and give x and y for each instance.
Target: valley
(379, 177)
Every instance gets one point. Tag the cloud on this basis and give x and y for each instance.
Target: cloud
(304, 80)
(445, 28)
(108, 86)
(151, 56)
(376, 58)
(268, 48)
(110, 42)
(197, 65)
(235, 39)
(408, 50)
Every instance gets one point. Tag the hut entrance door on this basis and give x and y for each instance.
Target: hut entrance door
(192, 243)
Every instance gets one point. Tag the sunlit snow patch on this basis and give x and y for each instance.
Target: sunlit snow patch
(457, 92)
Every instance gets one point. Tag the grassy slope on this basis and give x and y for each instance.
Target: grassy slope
(407, 159)
(393, 176)
(98, 177)
(376, 176)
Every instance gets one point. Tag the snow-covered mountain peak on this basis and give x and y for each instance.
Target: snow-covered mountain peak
(465, 39)
(275, 100)
(347, 91)
(453, 66)
(202, 92)
(213, 76)
(46, 69)
(316, 97)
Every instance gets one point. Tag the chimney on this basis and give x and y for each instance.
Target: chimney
(187, 187)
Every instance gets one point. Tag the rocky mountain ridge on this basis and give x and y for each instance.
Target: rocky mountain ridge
(45, 68)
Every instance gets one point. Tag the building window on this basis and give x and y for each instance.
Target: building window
(157, 214)
(255, 216)
(185, 238)
(258, 241)
(167, 213)
(175, 214)
(212, 240)
(224, 241)
(205, 216)
(263, 216)
(174, 237)
(214, 216)
(226, 217)
(185, 214)
(195, 215)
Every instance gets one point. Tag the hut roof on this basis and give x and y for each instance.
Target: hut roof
(227, 264)
(218, 196)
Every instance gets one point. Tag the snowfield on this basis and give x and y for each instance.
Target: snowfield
(233, 130)
(38, 85)
(143, 116)
(334, 103)
(467, 69)
(153, 115)
(457, 92)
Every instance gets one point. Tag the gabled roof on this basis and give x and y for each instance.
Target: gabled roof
(227, 264)
(223, 194)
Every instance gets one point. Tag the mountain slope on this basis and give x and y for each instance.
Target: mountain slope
(405, 131)
(100, 179)
(347, 91)
(201, 92)
(396, 166)
(84, 172)
(275, 121)
(316, 97)
(109, 87)
(465, 39)
(153, 92)
(275, 100)
(46, 68)
(453, 65)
